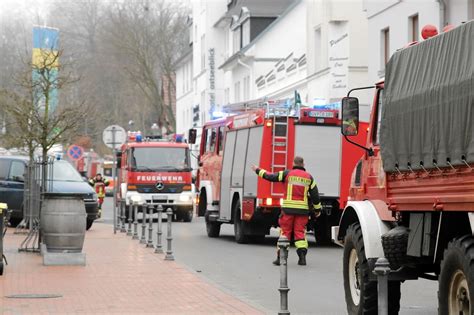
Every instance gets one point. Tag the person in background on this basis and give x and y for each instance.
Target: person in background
(99, 183)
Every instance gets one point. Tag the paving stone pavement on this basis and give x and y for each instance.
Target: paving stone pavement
(121, 276)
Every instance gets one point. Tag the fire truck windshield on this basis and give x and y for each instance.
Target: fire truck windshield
(164, 159)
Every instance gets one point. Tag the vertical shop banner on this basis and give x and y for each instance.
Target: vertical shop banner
(45, 63)
(338, 60)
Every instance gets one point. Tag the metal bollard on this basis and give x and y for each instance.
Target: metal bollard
(159, 246)
(130, 211)
(135, 223)
(283, 245)
(169, 238)
(117, 222)
(143, 238)
(122, 213)
(382, 269)
(150, 226)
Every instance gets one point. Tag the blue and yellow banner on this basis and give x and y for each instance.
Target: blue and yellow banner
(45, 63)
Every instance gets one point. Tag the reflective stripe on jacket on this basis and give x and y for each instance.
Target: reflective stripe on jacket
(299, 184)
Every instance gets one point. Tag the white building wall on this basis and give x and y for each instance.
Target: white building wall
(396, 18)
(184, 95)
(337, 52)
(282, 38)
(210, 42)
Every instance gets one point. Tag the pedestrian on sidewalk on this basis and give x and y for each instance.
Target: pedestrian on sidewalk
(300, 189)
(99, 183)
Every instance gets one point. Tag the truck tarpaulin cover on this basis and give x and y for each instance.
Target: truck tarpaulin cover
(428, 104)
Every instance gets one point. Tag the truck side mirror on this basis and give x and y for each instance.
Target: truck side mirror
(350, 116)
(119, 159)
(192, 134)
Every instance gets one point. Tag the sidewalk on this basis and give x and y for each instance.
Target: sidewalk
(121, 276)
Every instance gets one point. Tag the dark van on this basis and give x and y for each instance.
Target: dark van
(66, 179)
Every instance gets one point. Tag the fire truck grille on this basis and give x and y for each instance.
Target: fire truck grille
(167, 188)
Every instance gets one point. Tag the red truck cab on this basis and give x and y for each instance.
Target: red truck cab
(157, 173)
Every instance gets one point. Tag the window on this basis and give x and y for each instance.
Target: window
(150, 159)
(358, 173)
(17, 170)
(317, 49)
(203, 104)
(246, 33)
(211, 140)
(4, 167)
(413, 28)
(246, 88)
(221, 139)
(376, 134)
(203, 52)
(237, 40)
(237, 92)
(226, 96)
(385, 46)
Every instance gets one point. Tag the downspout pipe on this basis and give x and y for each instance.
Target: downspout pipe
(442, 14)
(240, 62)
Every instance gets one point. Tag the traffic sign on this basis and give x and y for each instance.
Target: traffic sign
(75, 152)
(114, 136)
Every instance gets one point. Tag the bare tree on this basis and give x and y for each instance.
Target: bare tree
(150, 36)
(30, 109)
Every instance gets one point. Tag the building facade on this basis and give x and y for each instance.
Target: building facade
(395, 23)
(337, 45)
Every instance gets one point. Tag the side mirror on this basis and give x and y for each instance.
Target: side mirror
(192, 134)
(350, 116)
(19, 178)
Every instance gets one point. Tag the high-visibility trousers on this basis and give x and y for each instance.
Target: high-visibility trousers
(296, 225)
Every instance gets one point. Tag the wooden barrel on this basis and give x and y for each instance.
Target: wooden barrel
(63, 222)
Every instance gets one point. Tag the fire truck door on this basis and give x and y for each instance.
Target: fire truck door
(228, 160)
(320, 146)
(253, 158)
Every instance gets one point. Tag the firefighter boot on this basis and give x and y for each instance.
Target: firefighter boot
(301, 256)
(276, 262)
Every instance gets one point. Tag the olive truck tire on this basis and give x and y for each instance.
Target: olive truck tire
(360, 291)
(456, 279)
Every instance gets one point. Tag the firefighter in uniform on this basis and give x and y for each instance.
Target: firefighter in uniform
(99, 183)
(300, 189)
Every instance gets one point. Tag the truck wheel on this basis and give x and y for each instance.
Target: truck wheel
(89, 224)
(456, 280)
(187, 216)
(14, 222)
(360, 292)
(202, 204)
(1, 265)
(213, 228)
(240, 237)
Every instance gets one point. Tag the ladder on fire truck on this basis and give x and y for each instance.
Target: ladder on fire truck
(280, 112)
(280, 119)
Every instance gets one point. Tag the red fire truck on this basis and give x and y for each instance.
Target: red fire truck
(156, 172)
(269, 135)
(412, 194)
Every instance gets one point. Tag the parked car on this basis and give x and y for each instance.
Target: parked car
(65, 179)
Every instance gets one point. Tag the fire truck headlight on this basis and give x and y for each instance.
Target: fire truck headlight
(136, 199)
(185, 197)
(269, 201)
